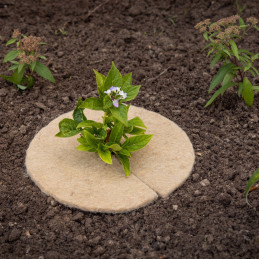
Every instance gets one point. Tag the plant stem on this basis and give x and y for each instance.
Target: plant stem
(235, 61)
(254, 188)
(107, 139)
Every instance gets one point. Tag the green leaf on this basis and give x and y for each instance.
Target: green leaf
(92, 130)
(113, 78)
(108, 119)
(241, 22)
(20, 67)
(256, 56)
(18, 76)
(246, 51)
(210, 51)
(107, 102)
(205, 36)
(101, 133)
(13, 67)
(82, 141)
(100, 82)
(116, 133)
(120, 113)
(248, 66)
(248, 93)
(85, 148)
(227, 78)
(253, 179)
(244, 59)
(137, 131)
(33, 65)
(11, 41)
(216, 58)
(256, 88)
(92, 103)
(11, 55)
(22, 87)
(125, 152)
(136, 122)
(220, 75)
(43, 71)
(125, 162)
(114, 147)
(42, 57)
(207, 46)
(136, 143)
(104, 153)
(90, 139)
(28, 81)
(234, 48)
(132, 92)
(67, 128)
(218, 92)
(128, 129)
(126, 80)
(227, 52)
(251, 72)
(211, 37)
(78, 113)
(256, 71)
(89, 123)
(8, 78)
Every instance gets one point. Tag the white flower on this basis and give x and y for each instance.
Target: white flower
(108, 92)
(123, 94)
(116, 94)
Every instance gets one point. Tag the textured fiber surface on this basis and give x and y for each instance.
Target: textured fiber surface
(81, 179)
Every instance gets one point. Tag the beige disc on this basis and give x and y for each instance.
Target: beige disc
(82, 180)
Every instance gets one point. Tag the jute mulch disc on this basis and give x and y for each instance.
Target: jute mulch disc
(82, 180)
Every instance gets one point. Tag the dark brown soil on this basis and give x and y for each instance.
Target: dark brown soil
(196, 221)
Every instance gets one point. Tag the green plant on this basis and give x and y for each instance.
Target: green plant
(240, 8)
(253, 179)
(62, 31)
(236, 62)
(171, 19)
(27, 53)
(112, 135)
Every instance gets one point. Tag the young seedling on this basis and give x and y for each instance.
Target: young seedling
(237, 62)
(240, 8)
(112, 136)
(254, 178)
(171, 19)
(62, 31)
(27, 55)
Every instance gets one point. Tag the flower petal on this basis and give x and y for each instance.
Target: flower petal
(123, 94)
(115, 103)
(113, 88)
(107, 92)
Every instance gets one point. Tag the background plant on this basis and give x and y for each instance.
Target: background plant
(240, 8)
(112, 135)
(24, 60)
(237, 63)
(253, 179)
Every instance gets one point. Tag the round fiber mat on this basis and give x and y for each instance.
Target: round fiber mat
(82, 180)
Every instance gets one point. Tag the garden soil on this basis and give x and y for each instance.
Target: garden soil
(207, 217)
